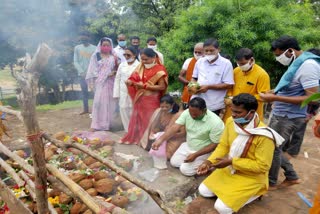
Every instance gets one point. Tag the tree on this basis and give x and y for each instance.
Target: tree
(240, 23)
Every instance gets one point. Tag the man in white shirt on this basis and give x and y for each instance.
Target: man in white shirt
(122, 45)
(152, 43)
(214, 74)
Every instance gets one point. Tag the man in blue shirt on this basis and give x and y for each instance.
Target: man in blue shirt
(297, 83)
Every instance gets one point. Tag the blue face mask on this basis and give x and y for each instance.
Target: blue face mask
(242, 120)
(122, 43)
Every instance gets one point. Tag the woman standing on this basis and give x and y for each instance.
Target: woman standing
(145, 86)
(120, 89)
(101, 72)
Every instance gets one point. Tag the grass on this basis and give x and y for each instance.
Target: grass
(5, 76)
(60, 106)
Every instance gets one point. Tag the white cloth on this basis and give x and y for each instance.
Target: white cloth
(119, 52)
(188, 169)
(221, 207)
(186, 64)
(125, 114)
(244, 134)
(220, 71)
(160, 55)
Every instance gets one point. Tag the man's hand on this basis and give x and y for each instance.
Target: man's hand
(222, 162)
(191, 158)
(204, 167)
(203, 89)
(156, 144)
(267, 97)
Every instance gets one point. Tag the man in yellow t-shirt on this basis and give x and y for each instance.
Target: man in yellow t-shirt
(249, 78)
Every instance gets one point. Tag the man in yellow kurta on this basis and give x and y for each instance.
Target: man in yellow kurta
(242, 159)
(249, 78)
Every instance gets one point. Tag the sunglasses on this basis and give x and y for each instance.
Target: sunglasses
(128, 55)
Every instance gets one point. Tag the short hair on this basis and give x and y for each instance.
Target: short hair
(151, 39)
(134, 37)
(212, 42)
(169, 99)
(121, 34)
(148, 52)
(248, 101)
(315, 51)
(198, 102)
(285, 42)
(244, 53)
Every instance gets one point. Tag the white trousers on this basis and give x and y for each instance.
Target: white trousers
(125, 114)
(221, 207)
(188, 169)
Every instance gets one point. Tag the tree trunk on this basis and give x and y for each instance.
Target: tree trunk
(28, 82)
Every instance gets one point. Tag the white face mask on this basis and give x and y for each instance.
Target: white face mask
(148, 66)
(130, 59)
(245, 67)
(210, 57)
(284, 60)
(154, 47)
(197, 56)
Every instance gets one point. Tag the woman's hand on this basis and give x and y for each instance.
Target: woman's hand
(129, 83)
(156, 144)
(138, 85)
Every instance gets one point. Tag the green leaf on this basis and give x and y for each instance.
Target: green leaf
(313, 97)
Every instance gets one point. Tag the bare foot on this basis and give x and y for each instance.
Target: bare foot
(287, 183)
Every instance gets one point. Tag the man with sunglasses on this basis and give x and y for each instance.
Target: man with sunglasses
(185, 75)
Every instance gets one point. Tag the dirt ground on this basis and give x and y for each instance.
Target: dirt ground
(284, 201)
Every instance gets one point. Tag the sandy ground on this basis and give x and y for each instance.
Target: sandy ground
(284, 201)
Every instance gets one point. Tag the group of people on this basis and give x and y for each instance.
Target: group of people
(220, 129)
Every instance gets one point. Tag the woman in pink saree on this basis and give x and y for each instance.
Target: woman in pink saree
(146, 86)
(100, 76)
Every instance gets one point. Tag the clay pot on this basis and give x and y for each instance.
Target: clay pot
(100, 175)
(48, 153)
(92, 191)
(70, 166)
(104, 185)
(86, 184)
(120, 201)
(76, 177)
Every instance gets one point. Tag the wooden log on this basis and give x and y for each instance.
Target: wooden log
(28, 168)
(28, 82)
(155, 195)
(91, 203)
(14, 204)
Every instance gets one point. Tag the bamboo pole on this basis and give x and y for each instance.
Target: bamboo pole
(82, 194)
(32, 188)
(10, 111)
(14, 204)
(155, 195)
(29, 169)
(11, 172)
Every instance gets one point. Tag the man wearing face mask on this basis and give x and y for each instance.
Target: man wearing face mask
(81, 59)
(119, 50)
(186, 72)
(248, 78)
(296, 84)
(242, 159)
(203, 130)
(152, 43)
(214, 74)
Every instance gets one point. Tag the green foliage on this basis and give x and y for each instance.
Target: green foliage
(312, 98)
(237, 24)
